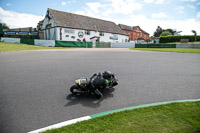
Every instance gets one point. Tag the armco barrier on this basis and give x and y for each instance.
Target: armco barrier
(46, 43)
(11, 40)
(160, 45)
(188, 45)
(123, 45)
(27, 41)
(73, 44)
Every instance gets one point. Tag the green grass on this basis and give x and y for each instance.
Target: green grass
(181, 50)
(168, 118)
(18, 47)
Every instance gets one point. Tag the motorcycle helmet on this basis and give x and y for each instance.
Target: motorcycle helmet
(107, 74)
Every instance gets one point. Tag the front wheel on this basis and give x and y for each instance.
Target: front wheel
(73, 89)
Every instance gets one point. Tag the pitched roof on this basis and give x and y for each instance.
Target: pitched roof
(130, 28)
(70, 20)
(125, 27)
(145, 32)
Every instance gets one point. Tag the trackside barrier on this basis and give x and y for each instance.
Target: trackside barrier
(46, 43)
(103, 45)
(123, 45)
(188, 45)
(11, 40)
(73, 44)
(27, 41)
(54, 43)
(160, 45)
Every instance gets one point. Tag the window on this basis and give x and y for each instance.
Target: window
(87, 32)
(141, 34)
(114, 37)
(138, 34)
(134, 34)
(69, 31)
(101, 34)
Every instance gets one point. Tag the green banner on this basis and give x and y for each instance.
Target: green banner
(73, 44)
(27, 41)
(160, 45)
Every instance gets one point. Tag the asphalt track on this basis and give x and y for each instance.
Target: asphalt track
(34, 85)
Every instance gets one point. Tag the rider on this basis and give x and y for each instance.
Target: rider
(102, 81)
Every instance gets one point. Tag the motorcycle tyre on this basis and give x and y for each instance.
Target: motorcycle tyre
(73, 88)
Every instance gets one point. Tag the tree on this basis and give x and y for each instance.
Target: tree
(195, 34)
(5, 26)
(147, 40)
(166, 33)
(158, 32)
(170, 30)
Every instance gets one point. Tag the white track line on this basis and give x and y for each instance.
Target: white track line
(65, 123)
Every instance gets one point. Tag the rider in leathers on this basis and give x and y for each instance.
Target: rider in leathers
(101, 81)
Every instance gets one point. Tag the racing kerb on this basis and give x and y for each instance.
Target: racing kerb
(69, 122)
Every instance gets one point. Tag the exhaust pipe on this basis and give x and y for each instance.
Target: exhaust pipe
(77, 91)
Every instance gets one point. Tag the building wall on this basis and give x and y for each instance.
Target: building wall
(48, 28)
(52, 32)
(136, 33)
(68, 34)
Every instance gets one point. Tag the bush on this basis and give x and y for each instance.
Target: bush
(160, 45)
(167, 39)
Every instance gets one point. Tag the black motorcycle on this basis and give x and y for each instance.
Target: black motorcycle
(86, 85)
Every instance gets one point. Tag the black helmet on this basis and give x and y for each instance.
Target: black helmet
(107, 74)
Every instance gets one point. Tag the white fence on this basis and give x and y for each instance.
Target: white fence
(11, 40)
(123, 45)
(46, 43)
(188, 45)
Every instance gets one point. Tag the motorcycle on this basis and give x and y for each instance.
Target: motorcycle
(85, 85)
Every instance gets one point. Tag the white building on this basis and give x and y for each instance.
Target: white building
(66, 26)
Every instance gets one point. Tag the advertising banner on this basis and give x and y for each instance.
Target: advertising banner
(20, 33)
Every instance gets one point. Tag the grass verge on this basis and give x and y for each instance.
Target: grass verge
(180, 50)
(4, 46)
(168, 118)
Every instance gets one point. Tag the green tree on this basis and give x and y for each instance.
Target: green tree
(158, 32)
(166, 33)
(5, 26)
(195, 34)
(170, 30)
(147, 40)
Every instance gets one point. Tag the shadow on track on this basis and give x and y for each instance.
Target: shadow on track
(88, 100)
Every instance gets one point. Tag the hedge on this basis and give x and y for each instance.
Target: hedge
(160, 45)
(167, 39)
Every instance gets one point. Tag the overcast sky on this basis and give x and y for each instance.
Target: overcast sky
(182, 15)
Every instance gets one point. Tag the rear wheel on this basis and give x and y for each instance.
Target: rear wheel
(73, 89)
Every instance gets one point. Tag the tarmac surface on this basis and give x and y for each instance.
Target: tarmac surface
(34, 85)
